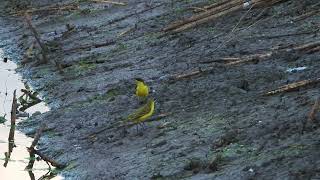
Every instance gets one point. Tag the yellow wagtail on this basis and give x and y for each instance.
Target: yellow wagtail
(142, 89)
(143, 113)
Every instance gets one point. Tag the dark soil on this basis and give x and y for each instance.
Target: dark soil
(220, 126)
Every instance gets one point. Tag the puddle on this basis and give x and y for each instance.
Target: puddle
(9, 81)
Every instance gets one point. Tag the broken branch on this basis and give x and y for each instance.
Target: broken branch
(216, 10)
(25, 103)
(230, 61)
(306, 15)
(251, 58)
(292, 86)
(37, 136)
(110, 2)
(32, 151)
(44, 48)
(307, 48)
(187, 75)
(37, 37)
(47, 159)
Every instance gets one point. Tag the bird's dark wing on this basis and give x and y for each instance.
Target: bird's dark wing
(145, 109)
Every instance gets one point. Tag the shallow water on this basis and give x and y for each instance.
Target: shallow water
(9, 81)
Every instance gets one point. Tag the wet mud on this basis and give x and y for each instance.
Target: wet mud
(219, 122)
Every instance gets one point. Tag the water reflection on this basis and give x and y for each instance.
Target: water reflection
(18, 163)
(11, 144)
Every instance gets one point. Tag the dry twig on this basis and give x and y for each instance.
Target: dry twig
(37, 37)
(230, 61)
(292, 86)
(32, 151)
(44, 48)
(110, 2)
(307, 48)
(214, 11)
(306, 15)
(126, 31)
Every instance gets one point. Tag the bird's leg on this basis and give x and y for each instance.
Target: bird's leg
(144, 126)
(137, 128)
(140, 124)
(139, 133)
(124, 132)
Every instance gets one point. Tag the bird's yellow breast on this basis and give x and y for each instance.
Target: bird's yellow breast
(142, 90)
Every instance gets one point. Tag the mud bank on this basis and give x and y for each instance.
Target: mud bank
(219, 124)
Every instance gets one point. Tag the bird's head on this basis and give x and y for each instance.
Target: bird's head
(139, 80)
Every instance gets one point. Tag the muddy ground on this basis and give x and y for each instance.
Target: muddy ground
(218, 124)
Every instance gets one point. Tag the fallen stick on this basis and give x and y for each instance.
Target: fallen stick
(308, 48)
(25, 103)
(220, 60)
(33, 151)
(33, 145)
(250, 58)
(44, 48)
(306, 15)
(110, 2)
(126, 31)
(314, 110)
(292, 86)
(284, 35)
(305, 47)
(38, 135)
(230, 61)
(28, 105)
(191, 74)
(313, 50)
(220, 8)
(49, 175)
(11, 144)
(30, 94)
(217, 11)
(198, 9)
(187, 75)
(35, 33)
(32, 159)
(47, 159)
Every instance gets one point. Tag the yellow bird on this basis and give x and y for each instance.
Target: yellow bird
(142, 89)
(143, 113)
